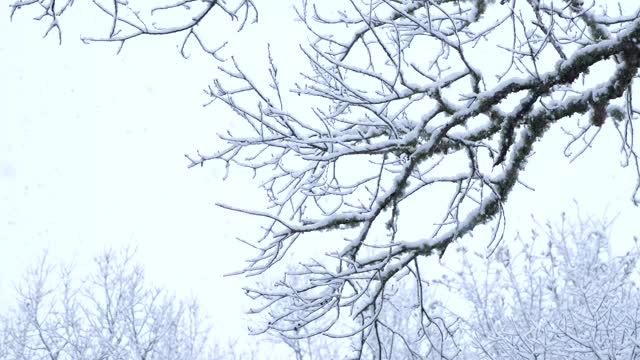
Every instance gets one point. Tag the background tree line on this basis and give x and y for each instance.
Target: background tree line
(558, 293)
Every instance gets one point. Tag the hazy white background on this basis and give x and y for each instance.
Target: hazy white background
(92, 151)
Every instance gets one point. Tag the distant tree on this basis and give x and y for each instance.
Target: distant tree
(4, 338)
(111, 314)
(561, 295)
(403, 106)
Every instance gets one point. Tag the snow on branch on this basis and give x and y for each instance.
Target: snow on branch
(414, 106)
(129, 22)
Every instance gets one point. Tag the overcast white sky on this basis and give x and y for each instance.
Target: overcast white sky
(92, 151)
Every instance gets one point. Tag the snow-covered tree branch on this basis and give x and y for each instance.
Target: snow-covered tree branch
(410, 105)
(132, 20)
(433, 102)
